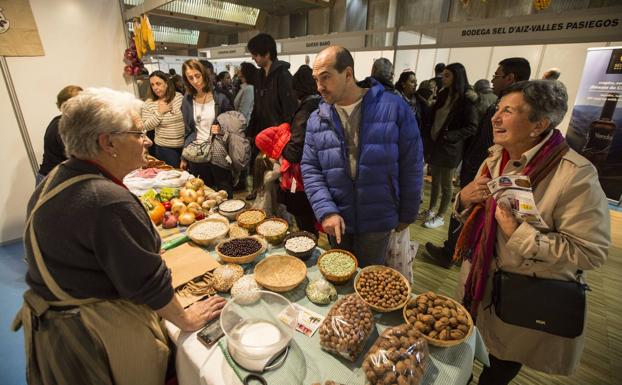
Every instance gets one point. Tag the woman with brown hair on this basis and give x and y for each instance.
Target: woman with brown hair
(200, 107)
(162, 113)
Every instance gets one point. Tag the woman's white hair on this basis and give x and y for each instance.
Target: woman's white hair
(92, 112)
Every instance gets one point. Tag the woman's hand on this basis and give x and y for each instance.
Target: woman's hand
(215, 129)
(183, 164)
(200, 313)
(506, 220)
(475, 192)
(163, 107)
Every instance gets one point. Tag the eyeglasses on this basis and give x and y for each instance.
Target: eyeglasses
(141, 133)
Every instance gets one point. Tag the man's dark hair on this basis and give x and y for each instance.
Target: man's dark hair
(208, 66)
(518, 66)
(262, 44)
(439, 68)
(343, 60)
(221, 75)
(172, 72)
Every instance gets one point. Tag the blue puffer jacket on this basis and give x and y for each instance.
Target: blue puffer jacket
(387, 187)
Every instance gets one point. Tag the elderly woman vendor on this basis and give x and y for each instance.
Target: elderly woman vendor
(98, 285)
(575, 234)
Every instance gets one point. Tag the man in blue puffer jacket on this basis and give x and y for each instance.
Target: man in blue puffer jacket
(362, 163)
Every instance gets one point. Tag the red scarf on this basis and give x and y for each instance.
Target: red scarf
(478, 236)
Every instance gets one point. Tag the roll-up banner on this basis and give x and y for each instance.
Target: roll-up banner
(595, 129)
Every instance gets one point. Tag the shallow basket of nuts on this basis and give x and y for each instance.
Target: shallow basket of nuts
(241, 250)
(337, 265)
(273, 229)
(441, 320)
(250, 218)
(300, 244)
(207, 231)
(382, 288)
(280, 273)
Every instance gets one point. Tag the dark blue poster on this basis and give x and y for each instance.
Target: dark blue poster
(595, 129)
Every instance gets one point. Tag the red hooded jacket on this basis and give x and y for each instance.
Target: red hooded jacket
(271, 142)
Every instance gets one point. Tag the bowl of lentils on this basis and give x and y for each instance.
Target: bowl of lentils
(300, 244)
(273, 229)
(241, 250)
(337, 265)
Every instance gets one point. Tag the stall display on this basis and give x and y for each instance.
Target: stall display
(280, 273)
(241, 250)
(441, 320)
(250, 218)
(300, 244)
(346, 328)
(382, 288)
(321, 292)
(399, 356)
(235, 231)
(273, 229)
(226, 275)
(337, 265)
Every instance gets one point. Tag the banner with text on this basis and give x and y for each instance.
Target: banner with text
(595, 128)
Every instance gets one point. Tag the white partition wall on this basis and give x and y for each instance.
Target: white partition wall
(83, 43)
(475, 60)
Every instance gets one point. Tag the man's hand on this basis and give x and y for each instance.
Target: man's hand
(402, 226)
(200, 313)
(334, 225)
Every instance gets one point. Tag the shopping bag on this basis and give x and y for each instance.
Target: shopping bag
(401, 253)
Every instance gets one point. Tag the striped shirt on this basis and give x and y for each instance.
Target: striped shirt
(169, 127)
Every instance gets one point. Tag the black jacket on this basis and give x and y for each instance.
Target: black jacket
(221, 104)
(275, 102)
(53, 148)
(461, 123)
(293, 149)
(476, 147)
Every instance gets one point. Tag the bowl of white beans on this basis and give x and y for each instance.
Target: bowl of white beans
(273, 229)
(300, 244)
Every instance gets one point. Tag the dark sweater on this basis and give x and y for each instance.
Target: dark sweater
(53, 148)
(98, 242)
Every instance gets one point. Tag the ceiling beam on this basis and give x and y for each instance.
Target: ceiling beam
(145, 7)
(321, 3)
(200, 19)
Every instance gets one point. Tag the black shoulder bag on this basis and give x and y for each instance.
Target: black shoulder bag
(549, 305)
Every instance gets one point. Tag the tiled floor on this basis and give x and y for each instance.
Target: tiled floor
(602, 358)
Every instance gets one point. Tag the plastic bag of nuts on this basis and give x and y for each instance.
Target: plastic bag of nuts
(399, 356)
(347, 327)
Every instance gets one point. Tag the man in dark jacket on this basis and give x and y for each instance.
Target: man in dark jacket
(275, 102)
(510, 70)
(362, 162)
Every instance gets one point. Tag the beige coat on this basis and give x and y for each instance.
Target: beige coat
(575, 210)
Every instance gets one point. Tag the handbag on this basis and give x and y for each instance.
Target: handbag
(198, 151)
(548, 305)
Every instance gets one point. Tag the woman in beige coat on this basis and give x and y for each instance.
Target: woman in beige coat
(576, 235)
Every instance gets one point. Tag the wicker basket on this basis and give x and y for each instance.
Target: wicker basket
(375, 307)
(207, 241)
(336, 279)
(280, 273)
(250, 226)
(230, 215)
(277, 238)
(304, 255)
(244, 259)
(448, 343)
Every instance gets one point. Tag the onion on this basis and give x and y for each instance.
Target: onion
(178, 208)
(200, 199)
(194, 208)
(186, 218)
(188, 195)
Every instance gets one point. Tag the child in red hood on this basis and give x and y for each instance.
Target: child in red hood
(271, 143)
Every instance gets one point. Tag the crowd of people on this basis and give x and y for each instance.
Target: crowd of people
(349, 158)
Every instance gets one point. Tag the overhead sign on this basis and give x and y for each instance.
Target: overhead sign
(227, 51)
(540, 31)
(318, 44)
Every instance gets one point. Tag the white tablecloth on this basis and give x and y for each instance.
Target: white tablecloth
(198, 365)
